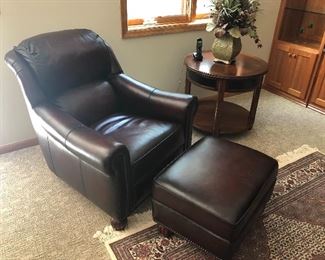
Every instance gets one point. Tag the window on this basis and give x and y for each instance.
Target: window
(148, 17)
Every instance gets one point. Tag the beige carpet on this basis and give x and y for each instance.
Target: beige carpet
(42, 218)
(281, 125)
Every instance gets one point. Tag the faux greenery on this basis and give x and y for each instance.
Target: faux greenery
(235, 17)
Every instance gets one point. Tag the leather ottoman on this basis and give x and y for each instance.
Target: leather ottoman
(214, 193)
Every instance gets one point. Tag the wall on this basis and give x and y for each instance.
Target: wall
(156, 60)
(266, 21)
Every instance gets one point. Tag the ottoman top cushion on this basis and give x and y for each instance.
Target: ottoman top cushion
(216, 180)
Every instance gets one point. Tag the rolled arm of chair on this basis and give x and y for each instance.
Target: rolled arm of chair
(97, 150)
(180, 108)
(154, 102)
(82, 141)
(173, 106)
(55, 122)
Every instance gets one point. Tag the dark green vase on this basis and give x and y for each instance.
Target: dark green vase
(226, 48)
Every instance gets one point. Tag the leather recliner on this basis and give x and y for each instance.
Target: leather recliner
(104, 133)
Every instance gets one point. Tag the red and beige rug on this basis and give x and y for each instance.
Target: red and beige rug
(292, 225)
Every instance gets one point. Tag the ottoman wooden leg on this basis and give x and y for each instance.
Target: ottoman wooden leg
(164, 231)
(118, 224)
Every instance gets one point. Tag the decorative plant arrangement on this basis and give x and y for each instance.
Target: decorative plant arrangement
(231, 19)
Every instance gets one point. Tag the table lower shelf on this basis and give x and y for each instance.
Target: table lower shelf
(233, 118)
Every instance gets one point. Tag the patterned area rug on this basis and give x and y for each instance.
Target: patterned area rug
(292, 225)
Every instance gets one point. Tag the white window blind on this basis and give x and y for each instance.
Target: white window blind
(148, 9)
(202, 6)
(148, 17)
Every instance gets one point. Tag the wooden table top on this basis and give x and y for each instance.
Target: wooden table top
(245, 67)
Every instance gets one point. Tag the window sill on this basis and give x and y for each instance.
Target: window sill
(135, 31)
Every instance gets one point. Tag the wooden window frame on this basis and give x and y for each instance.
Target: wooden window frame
(164, 24)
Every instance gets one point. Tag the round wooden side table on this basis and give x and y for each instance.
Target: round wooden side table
(215, 115)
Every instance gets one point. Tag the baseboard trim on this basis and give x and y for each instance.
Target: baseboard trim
(317, 108)
(7, 148)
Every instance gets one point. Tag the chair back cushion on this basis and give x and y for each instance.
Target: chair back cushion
(89, 103)
(67, 59)
(69, 68)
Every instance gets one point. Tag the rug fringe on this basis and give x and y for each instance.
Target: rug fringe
(295, 155)
(136, 222)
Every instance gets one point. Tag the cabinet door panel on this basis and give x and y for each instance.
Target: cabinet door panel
(318, 97)
(279, 67)
(302, 69)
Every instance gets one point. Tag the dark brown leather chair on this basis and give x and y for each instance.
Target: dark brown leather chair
(104, 133)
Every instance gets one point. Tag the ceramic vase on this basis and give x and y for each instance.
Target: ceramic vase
(226, 48)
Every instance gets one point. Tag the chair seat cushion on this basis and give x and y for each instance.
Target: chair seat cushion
(148, 140)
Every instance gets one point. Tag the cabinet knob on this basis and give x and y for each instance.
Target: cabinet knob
(294, 56)
(289, 54)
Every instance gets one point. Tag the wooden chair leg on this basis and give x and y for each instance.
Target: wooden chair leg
(118, 224)
(165, 231)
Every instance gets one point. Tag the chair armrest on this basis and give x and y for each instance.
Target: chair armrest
(82, 141)
(55, 122)
(173, 106)
(97, 150)
(146, 100)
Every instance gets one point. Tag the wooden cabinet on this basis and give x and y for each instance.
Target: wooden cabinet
(291, 69)
(318, 94)
(301, 68)
(277, 76)
(297, 48)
